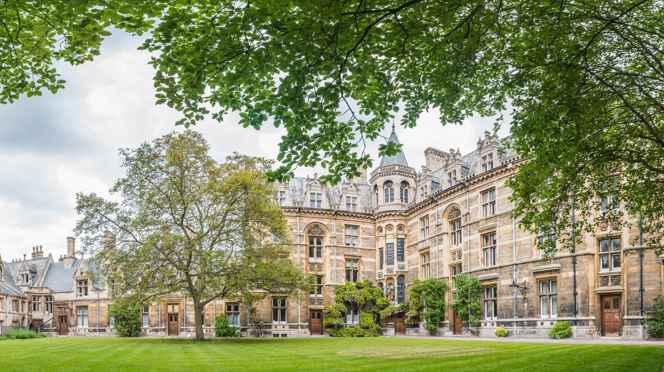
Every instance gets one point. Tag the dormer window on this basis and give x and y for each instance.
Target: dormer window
(25, 278)
(315, 199)
(82, 287)
(452, 177)
(487, 162)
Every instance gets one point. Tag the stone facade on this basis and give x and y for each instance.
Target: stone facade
(392, 227)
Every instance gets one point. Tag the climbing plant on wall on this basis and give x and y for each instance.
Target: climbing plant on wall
(466, 301)
(357, 311)
(426, 302)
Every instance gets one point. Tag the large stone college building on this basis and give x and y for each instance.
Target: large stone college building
(392, 227)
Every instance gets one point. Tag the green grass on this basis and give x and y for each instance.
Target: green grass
(314, 354)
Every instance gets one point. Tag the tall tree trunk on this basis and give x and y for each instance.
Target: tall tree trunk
(198, 316)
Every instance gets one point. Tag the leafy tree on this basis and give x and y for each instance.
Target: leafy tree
(655, 324)
(182, 223)
(37, 35)
(127, 317)
(364, 298)
(426, 300)
(583, 79)
(466, 300)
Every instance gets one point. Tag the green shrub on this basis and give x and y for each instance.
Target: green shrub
(466, 300)
(127, 317)
(426, 303)
(23, 333)
(363, 296)
(501, 332)
(561, 330)
(223, 329)
(655, 324)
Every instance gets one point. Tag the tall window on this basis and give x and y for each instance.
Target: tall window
(352, 270)
(489, 249)
(401, 289)
(490, 305)
(487, 162)
(351, 203)
(425, 265)
(280, 197)
(548, 298)
(401, 249)
(609, 254)
(403, 194)
(82, 287)
(36, 301)
(390, 253)
(608, 204)
(315, 199)
(279, 310)
(351, 235)
(49, 304)
(82, 316)
(381, 258)
(424, 227)
(489, 202)
(388, 191)
(146, 316)
(318, 285)
(544, 238)
(315, 246)
(233, 313)
(455, 226)
(352, 313)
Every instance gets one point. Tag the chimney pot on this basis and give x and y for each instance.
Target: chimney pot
(71, 246)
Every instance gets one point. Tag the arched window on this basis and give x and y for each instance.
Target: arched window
(455, 226)
(376, 193)
(404, 192)
(316, 234)
(401, 289)
(388, 189)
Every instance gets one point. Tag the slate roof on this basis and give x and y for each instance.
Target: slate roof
(397, 159)
(61, 278)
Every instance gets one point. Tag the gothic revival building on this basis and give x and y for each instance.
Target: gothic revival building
(392, 227)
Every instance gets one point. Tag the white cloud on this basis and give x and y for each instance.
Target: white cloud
(54, 146)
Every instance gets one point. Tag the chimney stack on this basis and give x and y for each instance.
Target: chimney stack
(71, 246)
(37, 251)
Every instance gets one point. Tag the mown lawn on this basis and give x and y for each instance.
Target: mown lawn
(316, 354)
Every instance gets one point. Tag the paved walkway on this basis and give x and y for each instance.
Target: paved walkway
(582, 341)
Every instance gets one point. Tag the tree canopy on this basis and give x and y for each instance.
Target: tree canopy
(187, 224)
(583, 80)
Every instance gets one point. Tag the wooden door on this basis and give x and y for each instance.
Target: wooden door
(457, 324)
(316, 322)
(173, 324)
(63, 325)
(399, 326)
(611, 315)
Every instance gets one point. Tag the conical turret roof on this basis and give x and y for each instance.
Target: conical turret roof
(397, 159)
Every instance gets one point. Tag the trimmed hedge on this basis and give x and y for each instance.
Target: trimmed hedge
(23, 333)
(561, 329)
(501, 332)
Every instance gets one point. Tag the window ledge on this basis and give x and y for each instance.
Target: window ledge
(488, 276)
(544, 268)
(611, 289)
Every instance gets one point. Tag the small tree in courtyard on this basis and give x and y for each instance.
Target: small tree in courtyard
(466, 301)
(358, 310)
(126, 317)
(180, 222)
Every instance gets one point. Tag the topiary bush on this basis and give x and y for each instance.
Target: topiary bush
(655, 324)
(561, 329)
(23, 333)
(127, 317)
(223, 329)
(501, 332)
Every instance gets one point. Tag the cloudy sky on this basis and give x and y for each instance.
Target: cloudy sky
(56, 145)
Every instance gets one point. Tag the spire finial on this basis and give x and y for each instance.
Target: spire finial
(392, 125)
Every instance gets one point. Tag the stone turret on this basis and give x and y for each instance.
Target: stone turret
(393, 182)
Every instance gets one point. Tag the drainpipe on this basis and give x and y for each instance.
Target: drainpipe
(641, 289)
(514, 289)
(574, 257)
